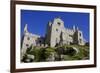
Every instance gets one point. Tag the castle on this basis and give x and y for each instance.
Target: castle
(56, 34)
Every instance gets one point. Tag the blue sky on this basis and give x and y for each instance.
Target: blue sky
(37, 21)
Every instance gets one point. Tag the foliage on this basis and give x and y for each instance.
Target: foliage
(48, 51)
(68, 53)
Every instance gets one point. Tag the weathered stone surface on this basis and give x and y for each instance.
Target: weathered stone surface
(76, 49)
(51, 57)
(30, 56)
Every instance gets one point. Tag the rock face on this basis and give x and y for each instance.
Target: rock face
(51, 57)
(56, 35)
(28, 58)
(76, 49)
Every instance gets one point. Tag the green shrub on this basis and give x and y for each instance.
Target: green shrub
(48, 52)
(41, 53)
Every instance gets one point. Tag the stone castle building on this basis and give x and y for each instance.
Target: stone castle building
(56, 34)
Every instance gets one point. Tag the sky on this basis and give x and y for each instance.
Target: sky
(37, 21)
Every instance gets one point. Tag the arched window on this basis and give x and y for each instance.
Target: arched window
(80, 34)
(27, 45)
(56, 29)
(59, 23)
(57, 42)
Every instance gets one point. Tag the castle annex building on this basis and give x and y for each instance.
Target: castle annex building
(56, 34)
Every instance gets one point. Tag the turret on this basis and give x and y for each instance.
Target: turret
(77, 28)
(74, 28)
(50, 23)
(25, 29)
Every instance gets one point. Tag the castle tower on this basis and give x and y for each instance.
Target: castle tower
(78, 37)
(48, 33)
(56, 29)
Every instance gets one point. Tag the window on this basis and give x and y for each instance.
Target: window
(80, 34)
(39, 41)
(59, 23)
(27, 45)
(57, 30)
(28, 38)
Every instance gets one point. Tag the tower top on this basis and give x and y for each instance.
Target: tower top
(77, 28)
(50, 23)
(74, 27)
(25, 28)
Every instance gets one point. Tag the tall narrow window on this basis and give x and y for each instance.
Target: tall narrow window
(56, 42)
(59, 23)
(80, 34)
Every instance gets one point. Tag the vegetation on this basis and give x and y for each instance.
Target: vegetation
(65, 52)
